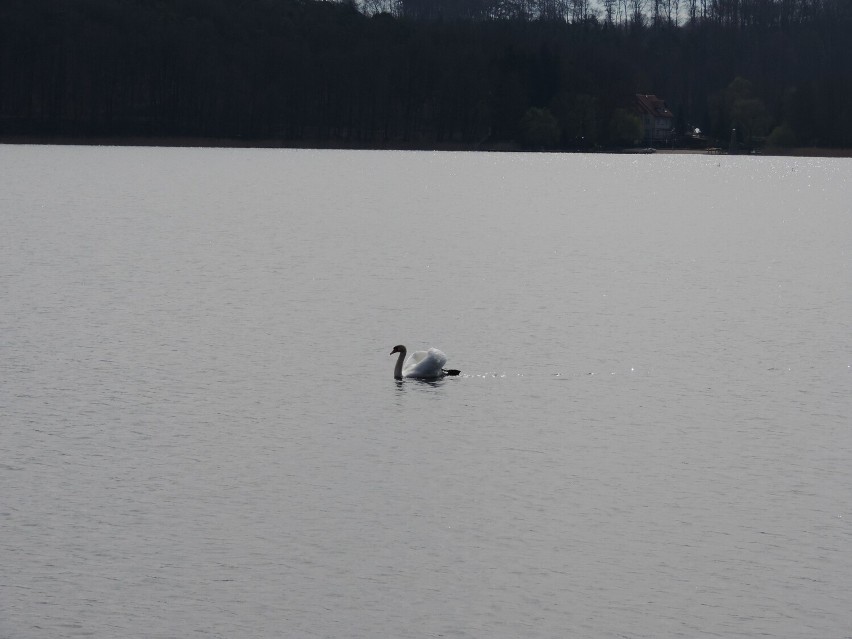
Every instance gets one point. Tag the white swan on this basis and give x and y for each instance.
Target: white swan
(422, 364)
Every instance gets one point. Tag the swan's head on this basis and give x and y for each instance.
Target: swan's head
(399, 348)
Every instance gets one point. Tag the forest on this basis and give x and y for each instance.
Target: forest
(451, 74)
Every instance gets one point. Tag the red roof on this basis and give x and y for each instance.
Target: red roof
(652, 105)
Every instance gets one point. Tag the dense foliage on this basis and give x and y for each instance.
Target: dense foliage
(425, 73)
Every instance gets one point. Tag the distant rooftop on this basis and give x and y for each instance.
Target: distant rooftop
(653, 105)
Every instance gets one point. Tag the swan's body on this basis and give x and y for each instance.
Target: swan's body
(421, 364)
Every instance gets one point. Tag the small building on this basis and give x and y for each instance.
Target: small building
(657, 118)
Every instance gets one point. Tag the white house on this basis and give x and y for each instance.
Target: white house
(657, 118)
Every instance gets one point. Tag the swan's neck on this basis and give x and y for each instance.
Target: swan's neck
(397, 371)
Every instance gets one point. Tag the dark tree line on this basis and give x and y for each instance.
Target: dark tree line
(425, 73)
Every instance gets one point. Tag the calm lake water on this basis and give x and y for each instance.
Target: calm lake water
(201, 434)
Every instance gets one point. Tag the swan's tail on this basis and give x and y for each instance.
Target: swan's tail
(451, 372)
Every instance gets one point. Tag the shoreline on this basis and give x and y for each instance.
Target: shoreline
(800, 152)
(235, 143)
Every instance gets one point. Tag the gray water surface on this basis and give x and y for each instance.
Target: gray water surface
(201, 434)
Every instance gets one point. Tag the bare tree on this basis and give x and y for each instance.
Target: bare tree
(637, 8)
(579, 10)
(624, 11)
(373, 7)
(692, 10)
(609, 11)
